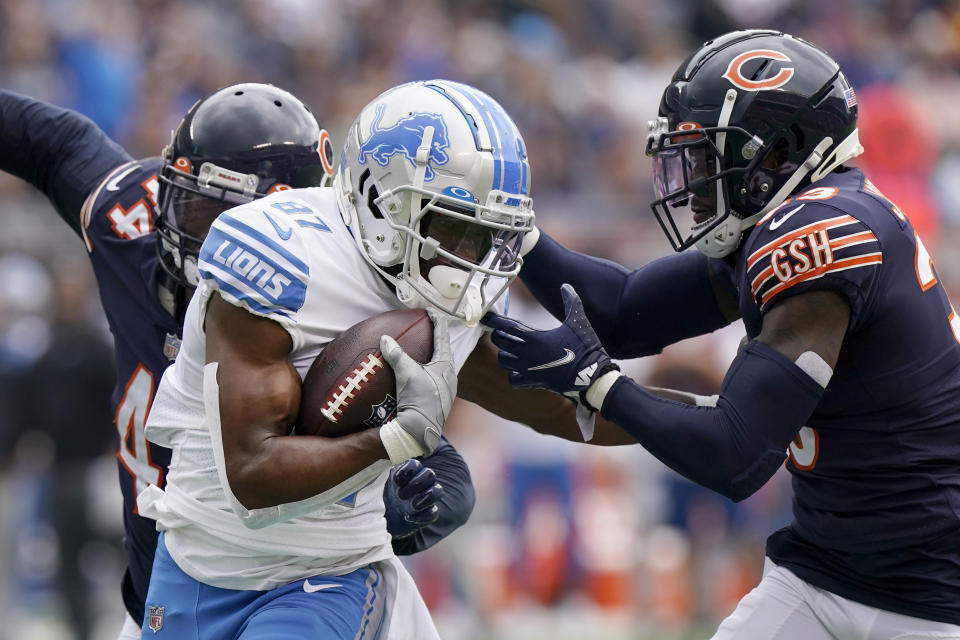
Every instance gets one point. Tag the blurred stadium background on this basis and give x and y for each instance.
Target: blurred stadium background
(565, 541)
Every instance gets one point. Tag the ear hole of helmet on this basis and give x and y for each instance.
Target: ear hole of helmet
(781, 150)
(372, 194)
(799, 139)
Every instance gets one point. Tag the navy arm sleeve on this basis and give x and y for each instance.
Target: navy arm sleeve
(60, 152)
(456, 505)
(736, 446)
(635, 313)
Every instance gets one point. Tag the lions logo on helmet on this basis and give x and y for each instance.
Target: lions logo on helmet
(405, 137)
(434, 183)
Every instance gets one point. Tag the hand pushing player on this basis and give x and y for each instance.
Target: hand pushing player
(567, 359)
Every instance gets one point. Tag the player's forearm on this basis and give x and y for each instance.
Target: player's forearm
(484, 382)
(599, 282)
(289, 469)
(634, 313)
(256, 407)
(60, 152)
(555, 415)
(734, 447)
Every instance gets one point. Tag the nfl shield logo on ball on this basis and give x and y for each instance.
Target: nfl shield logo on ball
(155, 619)
(380, 413)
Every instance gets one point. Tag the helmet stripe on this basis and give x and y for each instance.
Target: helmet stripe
(473, 128)
(510, 169)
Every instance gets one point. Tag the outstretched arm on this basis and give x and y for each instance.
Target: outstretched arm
(635, 313)
(60, 152)
(484, 382)
(731, 444)
(768, 394)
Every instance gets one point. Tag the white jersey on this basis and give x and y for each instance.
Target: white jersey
(288, 257)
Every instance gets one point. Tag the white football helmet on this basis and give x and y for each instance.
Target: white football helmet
(434, 184)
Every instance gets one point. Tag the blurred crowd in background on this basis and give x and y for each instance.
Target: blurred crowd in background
(566, 541)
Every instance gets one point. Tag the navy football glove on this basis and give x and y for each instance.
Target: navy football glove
(567, 359)
(411, 498)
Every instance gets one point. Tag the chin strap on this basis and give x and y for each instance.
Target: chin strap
(449, 282)
(173, 296)
(721, 240)
(419, 174)
(726, 111)
(530, 239)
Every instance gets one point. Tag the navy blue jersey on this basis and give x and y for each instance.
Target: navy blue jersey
(117, 228)
(106, 197)
(876, 469)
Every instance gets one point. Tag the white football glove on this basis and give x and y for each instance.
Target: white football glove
(425, 394)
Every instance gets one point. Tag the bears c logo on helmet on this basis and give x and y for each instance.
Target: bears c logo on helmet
(735, 75)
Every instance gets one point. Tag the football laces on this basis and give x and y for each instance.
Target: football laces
(353, 383)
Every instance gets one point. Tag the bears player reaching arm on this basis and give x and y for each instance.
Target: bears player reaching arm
(852, 369)
(145, 266)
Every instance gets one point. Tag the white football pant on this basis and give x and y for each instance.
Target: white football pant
(784, 607)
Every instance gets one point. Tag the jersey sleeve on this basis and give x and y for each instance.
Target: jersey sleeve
(120, 208)
(256, 259)
(806, 246)
(59, 151)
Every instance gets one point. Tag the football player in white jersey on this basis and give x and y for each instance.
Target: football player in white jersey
(268, 535)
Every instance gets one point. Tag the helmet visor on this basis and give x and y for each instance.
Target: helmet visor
(188, 210)
(690, 196)
(193, 213)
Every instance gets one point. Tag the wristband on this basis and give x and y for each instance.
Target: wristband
(400, 445)
(594, 395)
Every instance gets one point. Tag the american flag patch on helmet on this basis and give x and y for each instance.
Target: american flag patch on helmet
(850, 97)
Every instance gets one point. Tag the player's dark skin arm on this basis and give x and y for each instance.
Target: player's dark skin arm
(483, 381)
(259, 401)
(736, 444)
(816, 321)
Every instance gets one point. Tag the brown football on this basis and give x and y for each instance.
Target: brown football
(350, 387)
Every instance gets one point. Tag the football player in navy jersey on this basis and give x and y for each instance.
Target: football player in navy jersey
(851, 368)
(142, 222)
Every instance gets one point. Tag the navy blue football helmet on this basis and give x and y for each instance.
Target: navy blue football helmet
(748, 119)
(238, 144)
